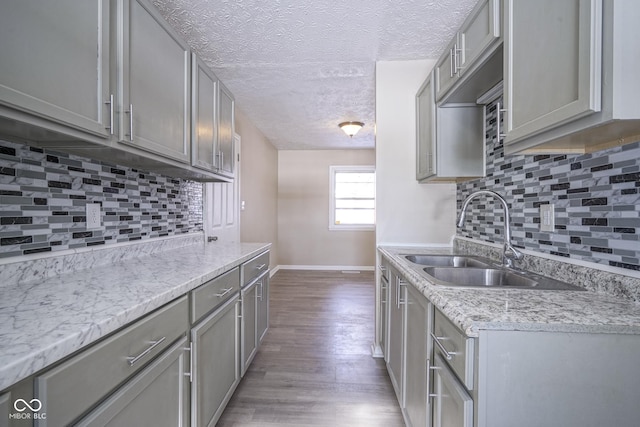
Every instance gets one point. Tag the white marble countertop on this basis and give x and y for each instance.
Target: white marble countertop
(473, 310)
(42, 321)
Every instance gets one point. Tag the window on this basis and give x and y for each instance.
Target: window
(353, 191)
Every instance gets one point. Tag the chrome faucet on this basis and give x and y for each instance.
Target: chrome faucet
(509, 252)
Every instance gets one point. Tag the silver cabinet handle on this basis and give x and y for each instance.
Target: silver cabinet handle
(261, 266)
(429, 388)
(451, 62)
(456, 66)
(110, 103)
(216, 162)
(499, 110)
(399, 283)
(383, 288)
(133, 359)
(222, 160)
(400, 300)
(447, 354)
(224, 292)
(259, 295)
(190, 373)
(130, 113)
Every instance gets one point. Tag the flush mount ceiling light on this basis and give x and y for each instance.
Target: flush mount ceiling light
(351, 128)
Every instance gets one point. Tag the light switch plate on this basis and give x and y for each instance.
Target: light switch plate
(94, 220)
(547, 217)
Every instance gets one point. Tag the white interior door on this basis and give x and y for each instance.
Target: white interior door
(223, 205)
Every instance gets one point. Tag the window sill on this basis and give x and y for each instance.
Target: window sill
(350, 227)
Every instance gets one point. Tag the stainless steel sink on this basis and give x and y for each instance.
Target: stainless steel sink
(448, 260)
(493, 278)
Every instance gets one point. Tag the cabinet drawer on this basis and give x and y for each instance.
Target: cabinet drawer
(207, 297)
(455, 347)
(72, 388)
(253, 268)
(452, 406)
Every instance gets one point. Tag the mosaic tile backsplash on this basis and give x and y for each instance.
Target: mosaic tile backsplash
(43, 197)
(596, 198)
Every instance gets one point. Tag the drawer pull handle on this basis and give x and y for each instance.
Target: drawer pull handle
(225, 291)
(261, 266)
(133, 359)
(448, 355)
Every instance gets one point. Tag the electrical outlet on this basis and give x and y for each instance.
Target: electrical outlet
(94, 220)
(547, 217)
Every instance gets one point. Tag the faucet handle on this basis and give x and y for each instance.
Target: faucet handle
(510, 254)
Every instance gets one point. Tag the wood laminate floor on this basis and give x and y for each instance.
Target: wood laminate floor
(315, 366)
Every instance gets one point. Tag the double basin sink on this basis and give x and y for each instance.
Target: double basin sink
(479, 272)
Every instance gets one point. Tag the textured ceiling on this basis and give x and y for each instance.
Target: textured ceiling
(297, 68)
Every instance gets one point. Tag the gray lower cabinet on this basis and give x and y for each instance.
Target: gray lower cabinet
(452, 405)
(384, 307)
(72, 388)
(262, 308)
(154, 77)
(216, 362)
(16, 406)
(249, 325)
(397, 330)
(418, 359)
(57, 73)
(157, 396)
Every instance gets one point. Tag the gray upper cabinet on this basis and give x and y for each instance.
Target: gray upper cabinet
(204, 131)
(446, 69)
(154, 80)
(226, 129)
(53, 72)
(449, 144)
(470, 47)
(425, 131)
(557, 45)
(579, 53)
(213, 128)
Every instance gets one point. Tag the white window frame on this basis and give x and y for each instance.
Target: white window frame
(332, 198)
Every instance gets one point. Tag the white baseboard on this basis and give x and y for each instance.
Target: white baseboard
(325, 267)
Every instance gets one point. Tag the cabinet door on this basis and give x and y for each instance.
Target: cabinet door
(425, 131)
(445, 70)
(55, 61)
(452, 405)
(552, 63)
(157, 396)
(384, 316)
(249, 325)
(397, 321)
(204, 131)
(263, 307)
(417, 349)
(154, 76)
(478, 32)
(216, 363)
(226, 130)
